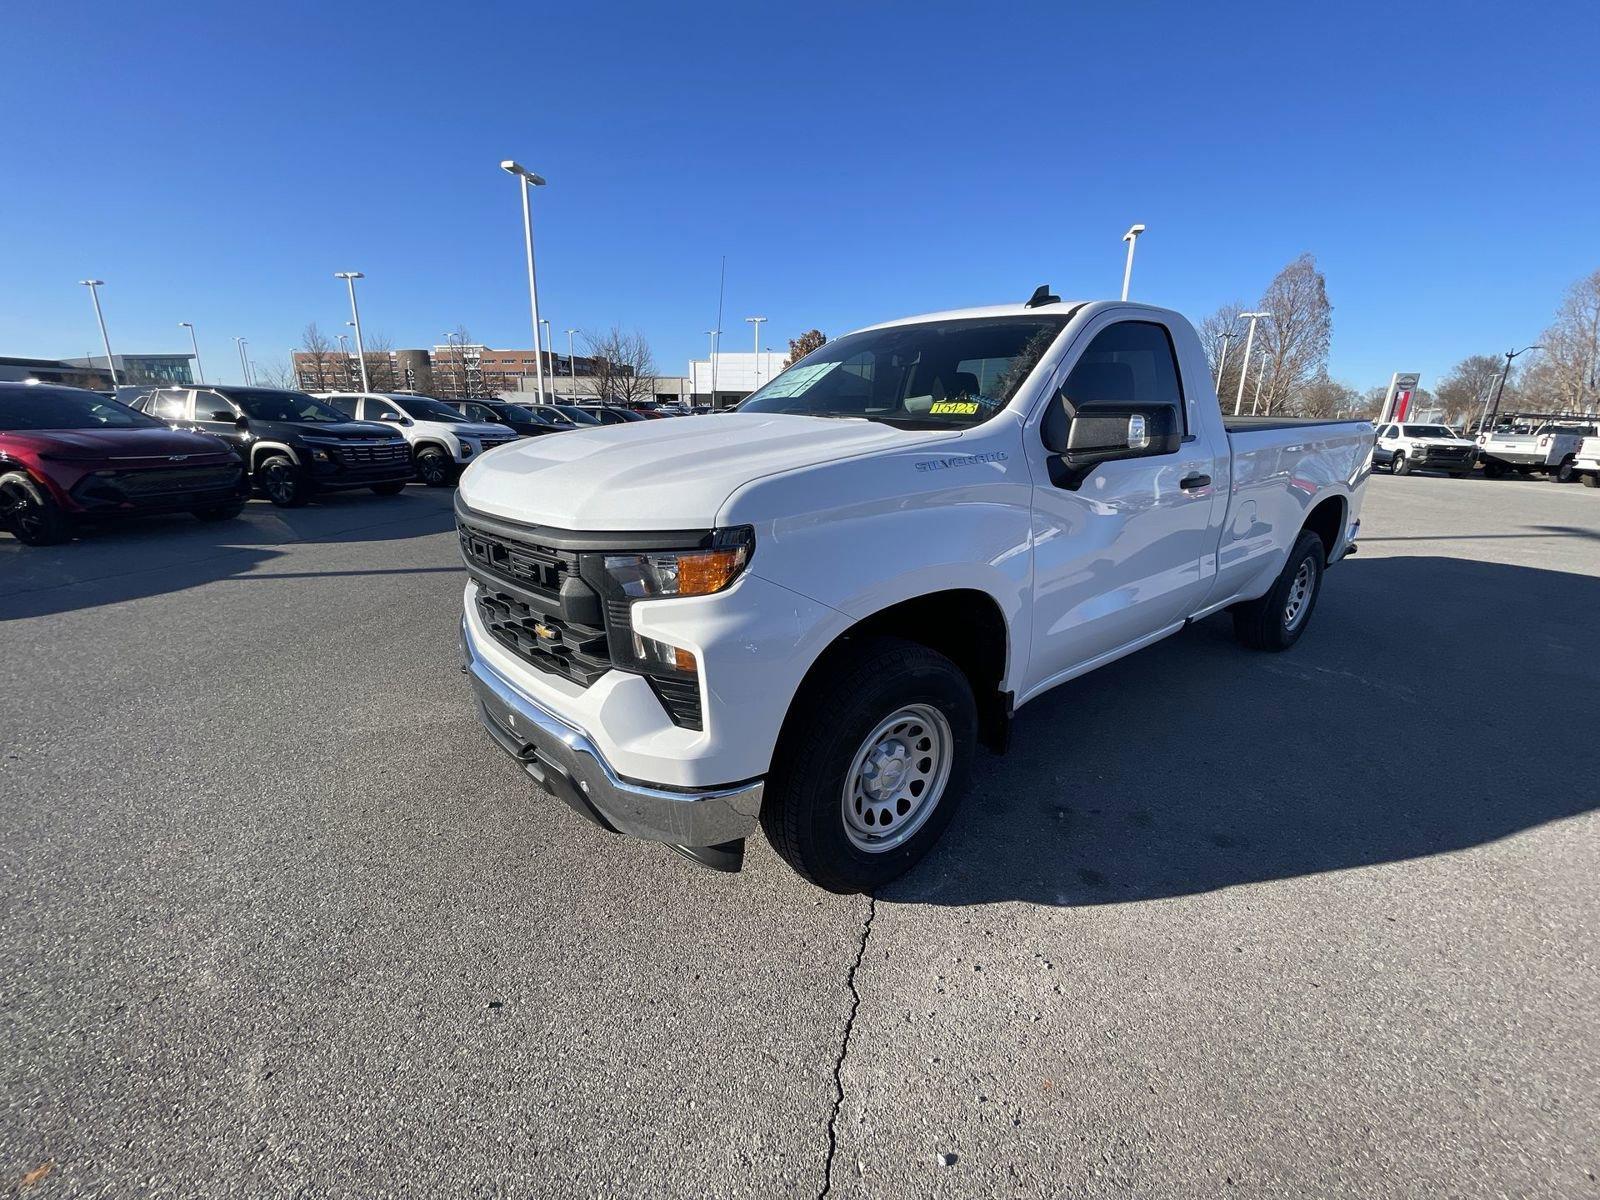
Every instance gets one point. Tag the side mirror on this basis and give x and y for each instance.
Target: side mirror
(1087, 434)
(242, 424)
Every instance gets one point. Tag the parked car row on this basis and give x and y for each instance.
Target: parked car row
(1563, 448)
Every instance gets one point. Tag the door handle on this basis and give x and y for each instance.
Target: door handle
(1189, 482)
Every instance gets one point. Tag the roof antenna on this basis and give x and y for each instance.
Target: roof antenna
(1042, 296)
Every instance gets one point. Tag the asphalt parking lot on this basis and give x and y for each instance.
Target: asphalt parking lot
(278, 919)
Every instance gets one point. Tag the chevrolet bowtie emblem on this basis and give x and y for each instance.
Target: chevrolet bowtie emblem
(544, 633)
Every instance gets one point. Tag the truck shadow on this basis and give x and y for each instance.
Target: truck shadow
(125, 560)
(1383, 736)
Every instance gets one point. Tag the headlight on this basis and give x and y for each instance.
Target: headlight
(681, 572)
(321, 456)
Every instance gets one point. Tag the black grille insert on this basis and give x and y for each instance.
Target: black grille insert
(575, 652)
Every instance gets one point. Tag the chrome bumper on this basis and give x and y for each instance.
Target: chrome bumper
(566, 763)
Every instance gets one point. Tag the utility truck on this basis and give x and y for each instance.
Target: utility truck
(805, 616)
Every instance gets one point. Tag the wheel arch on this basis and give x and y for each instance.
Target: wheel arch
(258, 449)
(1327, 520)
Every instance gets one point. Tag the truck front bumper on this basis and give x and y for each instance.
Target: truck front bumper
(567, 764)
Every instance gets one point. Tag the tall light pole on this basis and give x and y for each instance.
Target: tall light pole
(572, 365)
(92, 285)
(755, 324)
(1261, 372)
(1244, 367)
(195, 346)
(712, 334)
(1130, 237)
(550, 349)
(350, 278)
(1222, 359)
(1494, 409)
(244, 366)
(530, 180)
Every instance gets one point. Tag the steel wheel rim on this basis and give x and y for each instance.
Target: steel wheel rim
(896, 779)
(1294, 608)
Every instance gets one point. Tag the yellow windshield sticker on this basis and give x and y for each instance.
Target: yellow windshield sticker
(953, 408)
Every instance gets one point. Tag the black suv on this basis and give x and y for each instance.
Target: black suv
(292, 444)
(519, 417)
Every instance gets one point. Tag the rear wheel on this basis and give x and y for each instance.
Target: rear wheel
(1567, 471)
(1492, 469)
(392, 488)
(872, 764)
(434, 467)
(1276, 621)
(220, 512)
(30, 513)
(282, 481)
(1592, 479)
(1400, 464)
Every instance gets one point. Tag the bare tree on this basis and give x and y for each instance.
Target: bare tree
(811, 339)
(1294, 338)
(381, 375)
(1567, 375)
(1323, 396)
(1223, 328)
(278, 375)
(624, 368)
(318, 360)
(1468, 386)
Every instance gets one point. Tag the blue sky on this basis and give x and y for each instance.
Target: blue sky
(853, 162)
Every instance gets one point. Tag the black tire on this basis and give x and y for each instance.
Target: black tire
(392, 488)
(1567, 471)
(1592, 479)
(282, 481)
(220, 512)
(31, 513)
(1493, 470)
(435, 468)
(1267, 623)
(845, 701)
(1400, 464)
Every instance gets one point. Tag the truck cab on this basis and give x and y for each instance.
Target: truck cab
(802, 617)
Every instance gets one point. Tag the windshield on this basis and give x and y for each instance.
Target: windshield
(577, 414)
(1433, 431)
(932, 375)
(547, 415)
(283, 406)
(477, 412)
(57, 408)
(425, 408)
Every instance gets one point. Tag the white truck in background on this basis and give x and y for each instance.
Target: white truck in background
(804, 616)
(1541, 445)
(1586, 462)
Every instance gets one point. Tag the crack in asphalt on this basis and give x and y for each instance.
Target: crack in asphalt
(844, 1049)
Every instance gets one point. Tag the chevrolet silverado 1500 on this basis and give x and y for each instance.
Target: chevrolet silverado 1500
(806, 615)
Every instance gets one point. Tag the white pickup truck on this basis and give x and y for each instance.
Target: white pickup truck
(1547, 446)
(804, 616)
(1586, 462)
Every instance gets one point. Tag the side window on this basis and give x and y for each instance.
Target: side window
(1129, 363)
(208, 406)
(378, 410)
(345, 404)
(171, 404)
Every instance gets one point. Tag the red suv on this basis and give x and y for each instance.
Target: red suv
(67, 455)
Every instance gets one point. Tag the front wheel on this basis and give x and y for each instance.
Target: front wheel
(282, 482)
(871, 765)
(30, 513)
(435, 468)
(1493, 470)
(1276, 621)
(1401, 464)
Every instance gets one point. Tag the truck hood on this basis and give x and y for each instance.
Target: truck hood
(670, 474)
(94, 445)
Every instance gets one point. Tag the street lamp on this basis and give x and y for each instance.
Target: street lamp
(572, 365)
(712, 334)
(755, 323)
(105, 341)
(1494, 410)
(549, 345)
(1261, 372)
(195, 346)
(1244, 367)
(350, 278)
(1130, 237)
(1222, 359)
(529, 180)
(244, 367)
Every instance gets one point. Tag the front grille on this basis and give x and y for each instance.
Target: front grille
(158, 484)
(533, 602)
(575, 652)
(371, 455)
(1449, 453)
